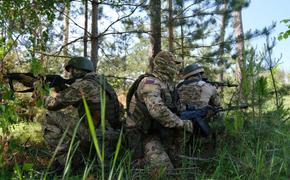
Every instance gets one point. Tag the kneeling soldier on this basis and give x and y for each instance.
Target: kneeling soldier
(152, 125)
(57, 121)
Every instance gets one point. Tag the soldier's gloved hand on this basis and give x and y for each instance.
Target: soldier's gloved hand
(188, 125)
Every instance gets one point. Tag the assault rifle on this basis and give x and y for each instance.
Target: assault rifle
(197, 115)
(28, 79)
(218, 84)
(227, 84)
(214, 83)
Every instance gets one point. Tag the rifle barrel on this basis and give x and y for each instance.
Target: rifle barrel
(242, 106)
(216, 83)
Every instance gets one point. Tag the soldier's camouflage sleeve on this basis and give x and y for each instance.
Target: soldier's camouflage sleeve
(73, 95)
(150, 92)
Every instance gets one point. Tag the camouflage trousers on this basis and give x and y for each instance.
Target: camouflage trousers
(56, 123)
(164, 149)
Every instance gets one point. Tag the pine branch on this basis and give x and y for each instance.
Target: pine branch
(119, 19)
(123, 4)
(61, 12)
(125, 32)
(69, 43)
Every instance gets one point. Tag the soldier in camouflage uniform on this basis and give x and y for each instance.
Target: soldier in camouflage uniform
(193, 91)
(59, 119)
(151, 127)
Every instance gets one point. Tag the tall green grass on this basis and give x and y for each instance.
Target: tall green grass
(258, 150)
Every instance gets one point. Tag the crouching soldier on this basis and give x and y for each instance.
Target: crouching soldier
(194, 92)
(57, 120)
(152, 128)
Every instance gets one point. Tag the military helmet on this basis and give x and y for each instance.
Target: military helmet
(191, 70)
(82, 63)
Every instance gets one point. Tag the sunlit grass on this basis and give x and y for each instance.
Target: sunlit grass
(23, 131)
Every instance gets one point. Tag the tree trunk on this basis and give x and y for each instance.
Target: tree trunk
(155, 26)
(182, 35)
(170, 27)
(94, 38)
(222, 45)
(271, 69)
(239, 33)
(86, 30)
(66, 27)
(182, 44)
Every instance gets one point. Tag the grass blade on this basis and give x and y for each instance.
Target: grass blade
(18, 171)
(69, 156)
(120, 174)
(92, 129)
(116, 154)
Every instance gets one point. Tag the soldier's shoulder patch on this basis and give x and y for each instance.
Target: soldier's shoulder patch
(149, 88)
(149, 81)
(149, 84)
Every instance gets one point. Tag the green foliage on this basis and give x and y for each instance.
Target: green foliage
(36, 67)
(8, 115)
(261, 89)
(28, 20)
(8, 106)
(123, 70)
(286, 34)
(238, 120)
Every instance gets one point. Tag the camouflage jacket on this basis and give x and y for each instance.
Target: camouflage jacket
(89, 87)
(197, 93)
(152, 103)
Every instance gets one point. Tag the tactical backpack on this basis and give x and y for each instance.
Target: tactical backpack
(133, 90)
(112, 102)
(134, 136)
